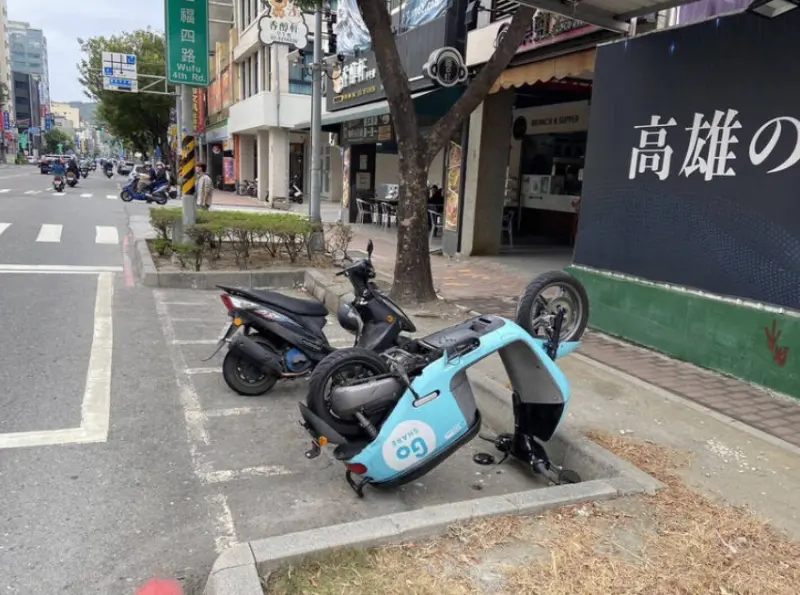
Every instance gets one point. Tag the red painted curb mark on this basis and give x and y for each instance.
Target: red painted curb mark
(161, 587)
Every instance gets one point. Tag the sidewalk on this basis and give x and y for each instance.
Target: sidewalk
(486, 285)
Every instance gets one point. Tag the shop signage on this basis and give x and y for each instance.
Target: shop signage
(356, 81)
(364, 131)
(561, 117)
(445, 67)
(696, 168)
(284, 24)
(6, 120)
(546, 29)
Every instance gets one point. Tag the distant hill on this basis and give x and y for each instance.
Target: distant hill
(87, 110)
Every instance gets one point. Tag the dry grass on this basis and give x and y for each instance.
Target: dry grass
(674, 543)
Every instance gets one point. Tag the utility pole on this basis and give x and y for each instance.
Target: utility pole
(314, 207)
(188, 157)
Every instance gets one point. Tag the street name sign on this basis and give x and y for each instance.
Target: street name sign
(187, 42)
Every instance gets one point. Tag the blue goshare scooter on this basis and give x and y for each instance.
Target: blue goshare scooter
(395, 427)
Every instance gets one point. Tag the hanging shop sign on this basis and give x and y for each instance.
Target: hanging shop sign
(364, 131)
(284, 24)
(549, 119)
(446, 67)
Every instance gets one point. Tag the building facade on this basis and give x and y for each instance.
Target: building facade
(28, 53)
(8, 138)
(28, 111)
(66, 111)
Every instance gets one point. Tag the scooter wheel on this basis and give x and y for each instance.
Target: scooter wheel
(126, 196)
(575, 301)
(161, 200)
(243, 378)
(354, 362)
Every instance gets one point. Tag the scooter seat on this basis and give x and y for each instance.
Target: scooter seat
(290, 304)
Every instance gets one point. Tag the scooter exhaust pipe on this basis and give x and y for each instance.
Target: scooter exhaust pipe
(261, 358)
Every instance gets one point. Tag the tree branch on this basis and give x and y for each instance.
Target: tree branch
(480, 86)
(392, 75)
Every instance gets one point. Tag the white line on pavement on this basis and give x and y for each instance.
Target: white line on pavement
(50, 233)
(58, 268)
(4, 190)
(106, 235)
(111, 196)
(195, 371)
(96, 408)
(185, 304)
(59, 193)
(4, 226)
(194, 341)
(226, 531)
(231, 474)
(233, 411)
(86, 196)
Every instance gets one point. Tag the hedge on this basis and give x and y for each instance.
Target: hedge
(245, 234)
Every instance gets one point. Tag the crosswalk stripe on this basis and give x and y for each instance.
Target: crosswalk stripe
(59, 193)
(33, 191)
(4, 190)
(4, 226)
(106, 235)
(86, 196)
(111, 196)
(50, 233)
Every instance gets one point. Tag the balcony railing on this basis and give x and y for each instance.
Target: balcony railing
(545, 24)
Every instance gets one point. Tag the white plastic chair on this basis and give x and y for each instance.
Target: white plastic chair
(436, 223)
(388, 212)
(508, 227)
(362, 208)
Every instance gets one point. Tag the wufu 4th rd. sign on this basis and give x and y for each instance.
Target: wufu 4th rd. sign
(284, 24)
(187, 42)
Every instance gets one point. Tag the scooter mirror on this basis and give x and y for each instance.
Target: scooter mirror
(370, 249)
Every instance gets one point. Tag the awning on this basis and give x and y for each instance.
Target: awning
(575, 65)
(614, 15)
(435, 101)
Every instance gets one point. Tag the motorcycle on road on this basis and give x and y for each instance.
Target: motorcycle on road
(131, 192)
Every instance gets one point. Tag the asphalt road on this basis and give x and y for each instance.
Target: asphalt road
(123, 455)
(84, 517)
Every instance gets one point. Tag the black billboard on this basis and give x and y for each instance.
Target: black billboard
(693, 161)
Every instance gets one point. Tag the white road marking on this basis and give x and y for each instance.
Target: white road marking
(185, 304)
(86, 196)
(96, 406)
(4, 226)
(195, 371)
(231, 474)
(226, 531)
(106, 235)
(4, 190)
(50, 233)
(58, 268)
(59, 193)
(194, 341)
(234, 411)
(111, 196)
(29, 192)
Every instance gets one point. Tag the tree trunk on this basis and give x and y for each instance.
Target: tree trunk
(413, 279)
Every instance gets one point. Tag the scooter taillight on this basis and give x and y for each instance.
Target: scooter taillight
(356, 468)
(226, 299)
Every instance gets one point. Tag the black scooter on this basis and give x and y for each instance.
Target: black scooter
(282, 336)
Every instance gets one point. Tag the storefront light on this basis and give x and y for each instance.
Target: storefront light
(772, 8)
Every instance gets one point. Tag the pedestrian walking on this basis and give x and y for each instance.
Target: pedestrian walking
(204, 187)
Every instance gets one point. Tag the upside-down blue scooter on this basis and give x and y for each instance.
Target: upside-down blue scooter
(393, 428)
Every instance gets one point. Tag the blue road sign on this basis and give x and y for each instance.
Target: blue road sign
(131, 59)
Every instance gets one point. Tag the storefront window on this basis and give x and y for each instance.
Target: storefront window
(300, 77)
(552, 164)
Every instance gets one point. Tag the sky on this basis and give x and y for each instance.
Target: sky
(64, 22)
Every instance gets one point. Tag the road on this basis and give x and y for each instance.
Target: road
(98, 491)
(123, 455)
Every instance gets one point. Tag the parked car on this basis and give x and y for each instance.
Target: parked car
(32, 160)
(125, 167)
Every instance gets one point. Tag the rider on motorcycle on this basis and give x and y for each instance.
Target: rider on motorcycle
(108, 166)
(57, 168)
(72, 166)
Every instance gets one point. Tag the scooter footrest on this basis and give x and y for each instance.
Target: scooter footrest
(345, 452)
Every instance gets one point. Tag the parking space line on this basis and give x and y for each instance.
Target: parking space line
(193, 341)
(233, 411)
(232, 474)
(196, 319)
(226, 531)
(184, 303)
(193, 371)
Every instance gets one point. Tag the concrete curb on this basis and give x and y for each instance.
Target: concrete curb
(145, 270)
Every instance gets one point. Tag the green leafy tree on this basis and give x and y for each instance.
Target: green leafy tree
(55, 137)
(413, 279)
(141, 120)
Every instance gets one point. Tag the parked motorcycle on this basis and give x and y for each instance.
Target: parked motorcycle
(72, 179)
(409, 409)
(295, 194)
(131, 192)
(283, 338)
